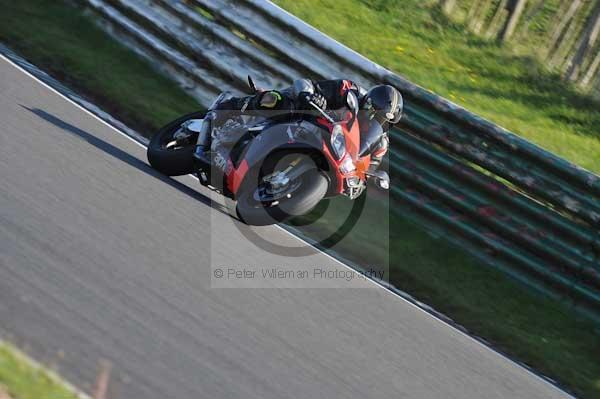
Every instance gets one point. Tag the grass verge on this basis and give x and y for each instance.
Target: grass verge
(414, 39)
(21, 379)
(538, 331)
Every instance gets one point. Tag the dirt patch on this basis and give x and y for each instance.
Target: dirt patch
(3, 393)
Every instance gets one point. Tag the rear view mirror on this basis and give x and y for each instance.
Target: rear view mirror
(251, 85)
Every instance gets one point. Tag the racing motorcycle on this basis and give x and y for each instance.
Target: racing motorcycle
(275, 167)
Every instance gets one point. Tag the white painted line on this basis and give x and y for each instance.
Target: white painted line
(528, 371)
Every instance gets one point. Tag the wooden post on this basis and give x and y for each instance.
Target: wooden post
(558, 32)
(518, 6)
(586, 43)
(591, 72)
(447, 6)
(102, 381)
(480, 16)
(498, 15)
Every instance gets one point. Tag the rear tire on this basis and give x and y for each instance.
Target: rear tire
(173, 162)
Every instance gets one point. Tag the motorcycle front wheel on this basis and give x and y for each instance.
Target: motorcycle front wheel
(309, 190)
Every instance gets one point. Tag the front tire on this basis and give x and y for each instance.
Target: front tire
(312, 190)
(173, 161)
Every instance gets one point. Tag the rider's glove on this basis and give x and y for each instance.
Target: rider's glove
(316, 98)
(269, 99)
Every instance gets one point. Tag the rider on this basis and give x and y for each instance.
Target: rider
(381, 104)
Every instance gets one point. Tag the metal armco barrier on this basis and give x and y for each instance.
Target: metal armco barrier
(514, 205)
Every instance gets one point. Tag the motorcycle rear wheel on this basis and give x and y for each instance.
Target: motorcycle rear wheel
(173, 161)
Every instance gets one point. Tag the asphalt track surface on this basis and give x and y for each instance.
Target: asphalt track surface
(102, 258)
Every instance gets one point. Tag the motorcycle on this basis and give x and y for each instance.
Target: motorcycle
(275, 167)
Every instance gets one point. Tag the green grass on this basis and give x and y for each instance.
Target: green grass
(23, 380)
(536, 330)
(421, 44)
(73, 49)
(534, 31)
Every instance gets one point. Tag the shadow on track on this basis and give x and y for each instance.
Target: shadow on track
(125, 157)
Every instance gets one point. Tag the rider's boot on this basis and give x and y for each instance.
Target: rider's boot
(204, 140)
(202, 151)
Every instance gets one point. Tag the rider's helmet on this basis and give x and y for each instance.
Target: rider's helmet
(384, 104)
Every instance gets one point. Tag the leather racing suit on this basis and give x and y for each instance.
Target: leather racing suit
(325, 93)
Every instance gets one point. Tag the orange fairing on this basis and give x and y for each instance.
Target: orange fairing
(352, 138)
(362, 165)
(353, 148)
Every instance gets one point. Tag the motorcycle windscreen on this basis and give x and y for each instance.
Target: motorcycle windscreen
(370, 133)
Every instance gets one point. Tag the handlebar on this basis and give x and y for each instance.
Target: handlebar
(325, 114)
